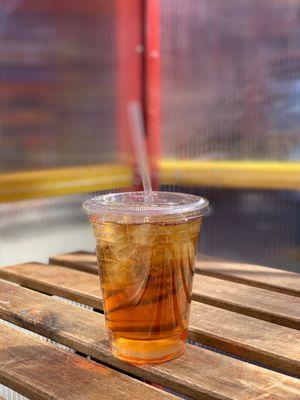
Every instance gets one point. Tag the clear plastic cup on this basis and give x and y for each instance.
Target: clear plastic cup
(146, 258)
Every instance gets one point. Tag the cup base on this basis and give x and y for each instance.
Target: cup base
(141, 352)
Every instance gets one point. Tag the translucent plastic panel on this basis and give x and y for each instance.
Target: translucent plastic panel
(231, 79)
(255, 226)
(57, 83)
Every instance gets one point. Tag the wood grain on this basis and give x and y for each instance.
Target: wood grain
(250, 338)
(87, 261)
(255, 302)
(256, 340)
(56, 280)
(81, 260)
(40, 370)
(273, 279)
(199, 373)
(248, 300)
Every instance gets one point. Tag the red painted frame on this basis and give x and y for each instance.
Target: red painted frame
(152, 77)
(138, 69)
(129, 37)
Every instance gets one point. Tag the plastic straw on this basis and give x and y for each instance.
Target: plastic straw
(137, 129)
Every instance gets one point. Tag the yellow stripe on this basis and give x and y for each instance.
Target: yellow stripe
(63, 181)
(231, 174)
(219, 174)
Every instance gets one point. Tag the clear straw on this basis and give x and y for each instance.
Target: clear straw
(137, 129)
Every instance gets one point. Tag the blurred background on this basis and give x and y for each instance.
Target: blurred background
(220, 86)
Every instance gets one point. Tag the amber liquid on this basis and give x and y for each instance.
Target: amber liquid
(146, 273)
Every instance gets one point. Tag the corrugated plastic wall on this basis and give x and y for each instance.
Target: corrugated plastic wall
(231, 79)
(57, 83)
(231, 91)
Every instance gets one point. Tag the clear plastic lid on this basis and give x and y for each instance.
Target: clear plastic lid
(131, 206)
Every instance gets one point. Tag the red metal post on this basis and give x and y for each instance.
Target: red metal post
(129, 67)
(152, 82)
(138, 73)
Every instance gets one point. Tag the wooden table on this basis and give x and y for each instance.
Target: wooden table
(244, 329)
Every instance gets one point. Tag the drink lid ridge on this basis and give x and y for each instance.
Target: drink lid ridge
(133, 203)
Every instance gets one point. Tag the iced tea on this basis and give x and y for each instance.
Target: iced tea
(146, 272)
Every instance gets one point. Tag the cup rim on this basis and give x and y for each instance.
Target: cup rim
(130, 203)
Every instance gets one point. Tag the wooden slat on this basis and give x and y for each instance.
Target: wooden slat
(86, 261)
(81, 260)
(258, 303)
(199, 373)
(248, 300)
(56, 280)
(40, 370)
(247, 337)
(273, 279)
(257, 340)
